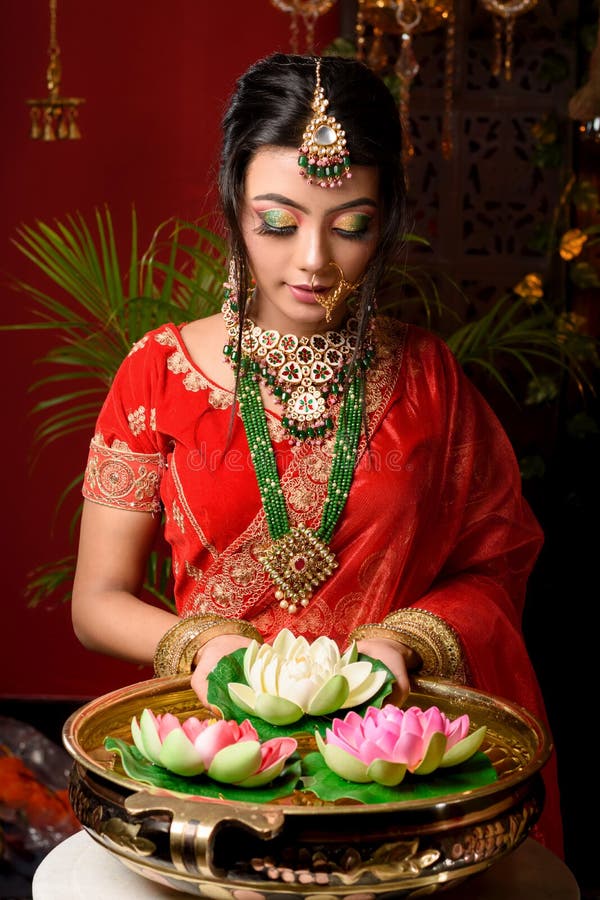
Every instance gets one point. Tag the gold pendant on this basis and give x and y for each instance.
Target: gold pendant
(297, 563)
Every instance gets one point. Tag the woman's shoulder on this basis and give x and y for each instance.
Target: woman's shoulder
(169, 340)
(151, 356)
(157, 340)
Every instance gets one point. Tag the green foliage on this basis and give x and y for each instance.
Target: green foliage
(341, 46)
(582, 425)
(513, 332)
(584, 275)
(542, 389)
(51, 581)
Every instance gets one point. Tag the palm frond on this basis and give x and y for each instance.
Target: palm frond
(512, 331)
(51, 581)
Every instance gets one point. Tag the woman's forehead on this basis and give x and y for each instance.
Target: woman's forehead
(274, 171)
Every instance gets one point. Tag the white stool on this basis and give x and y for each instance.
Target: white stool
(80, 869)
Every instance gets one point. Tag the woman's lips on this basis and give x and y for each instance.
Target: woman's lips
(305, 293)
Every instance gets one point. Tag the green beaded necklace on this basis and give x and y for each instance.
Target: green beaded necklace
(299, 559)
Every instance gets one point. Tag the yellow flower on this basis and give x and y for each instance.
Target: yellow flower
(571, 243)
(530, 288)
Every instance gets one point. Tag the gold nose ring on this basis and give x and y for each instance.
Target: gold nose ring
(330, 299)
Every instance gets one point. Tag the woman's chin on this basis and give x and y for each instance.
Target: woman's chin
(299, 310)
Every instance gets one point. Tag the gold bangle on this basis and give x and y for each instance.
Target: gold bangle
(172, 643)
(377, 630)
(217, 629)
(436, 642)
(174, 654)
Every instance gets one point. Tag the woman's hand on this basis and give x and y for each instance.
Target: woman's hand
(398, 658)
(208, 657)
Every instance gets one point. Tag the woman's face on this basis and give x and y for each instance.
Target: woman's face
(293, 230)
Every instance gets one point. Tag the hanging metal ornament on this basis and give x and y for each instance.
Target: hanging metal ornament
(408, 17)
(54, 117)
(308, 11)
(505, 13)
(405, 18)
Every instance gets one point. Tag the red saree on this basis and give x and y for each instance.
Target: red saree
(435, 519)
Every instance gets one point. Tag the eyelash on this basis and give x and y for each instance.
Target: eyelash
(263, 228)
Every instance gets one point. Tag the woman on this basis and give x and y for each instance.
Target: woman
(328, 471)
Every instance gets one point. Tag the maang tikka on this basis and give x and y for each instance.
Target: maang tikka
(324, 157)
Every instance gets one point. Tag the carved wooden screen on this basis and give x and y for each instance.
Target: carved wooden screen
(480, 208)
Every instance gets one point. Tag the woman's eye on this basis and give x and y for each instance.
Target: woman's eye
(353, 225)
(276, 221)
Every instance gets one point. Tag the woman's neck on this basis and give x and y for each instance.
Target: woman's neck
(267, 316)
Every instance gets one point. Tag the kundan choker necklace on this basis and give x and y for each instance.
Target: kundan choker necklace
(306, 375)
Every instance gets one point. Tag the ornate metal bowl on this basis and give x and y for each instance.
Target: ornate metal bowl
(301, 846)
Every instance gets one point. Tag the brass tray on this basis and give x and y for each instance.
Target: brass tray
(301, 846)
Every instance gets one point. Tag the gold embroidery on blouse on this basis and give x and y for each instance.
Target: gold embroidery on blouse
(304, 490)
(219, 398)
(178, 517)
(317, 619)
(153, 419)
(136, 420)
(222, 592)
(193, 571)
(238, 571)
(166, 338)
(138, 345)
(117, 476)
(304, 484)
(193, 380)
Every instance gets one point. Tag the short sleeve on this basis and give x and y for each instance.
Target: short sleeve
(125, 462)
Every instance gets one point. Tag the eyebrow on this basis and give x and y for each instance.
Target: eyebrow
(279, 198)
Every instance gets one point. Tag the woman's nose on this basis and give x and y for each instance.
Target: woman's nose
(314, 252)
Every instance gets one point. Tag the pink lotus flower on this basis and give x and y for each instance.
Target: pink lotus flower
(225, 751)
(386, 743)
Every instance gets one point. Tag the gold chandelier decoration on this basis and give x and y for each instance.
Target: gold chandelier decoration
(54, 117)
(406, 18)
(505, 13)
(308, 11)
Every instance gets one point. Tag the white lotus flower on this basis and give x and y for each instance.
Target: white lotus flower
(292, 677)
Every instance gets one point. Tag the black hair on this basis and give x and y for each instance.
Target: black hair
(271, 105)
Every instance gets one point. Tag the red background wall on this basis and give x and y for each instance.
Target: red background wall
(156, 77)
